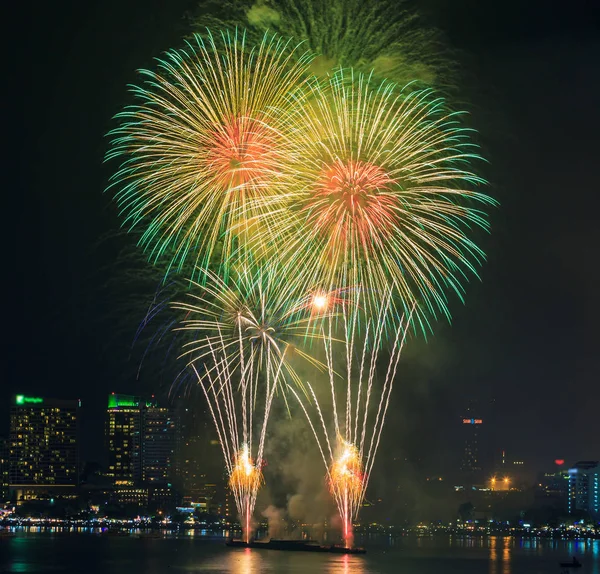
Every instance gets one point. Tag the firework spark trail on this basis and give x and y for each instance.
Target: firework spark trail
(388, 36)
(346, 450)
(244, 333)
(232, 408)
(203, 151)
(257, 317)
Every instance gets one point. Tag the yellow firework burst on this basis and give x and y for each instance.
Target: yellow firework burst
(383, 194)
(203, 148)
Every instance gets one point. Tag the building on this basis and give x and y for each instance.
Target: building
(471, 435)
(124, 439)
(131, 495)
(158, 445)
(140, 439)
(553, 489)
(583, 488)
(43, 447)
(199, 466)
(4, 480)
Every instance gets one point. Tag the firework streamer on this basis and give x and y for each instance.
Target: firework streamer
(240, 415)
(348, 439)
(257, 316)
(244, 338)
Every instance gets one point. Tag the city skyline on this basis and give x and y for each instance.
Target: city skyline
(144, 436)
(160, 458)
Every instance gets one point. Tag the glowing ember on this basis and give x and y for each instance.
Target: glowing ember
(319, 301)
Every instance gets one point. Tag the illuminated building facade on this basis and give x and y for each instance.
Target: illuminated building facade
(124, 439)
(199, 468)
(190, 454)
(584, 495)
(471, 431)
(43, 446)
(158, 445)
(553, 489)
(141, 441)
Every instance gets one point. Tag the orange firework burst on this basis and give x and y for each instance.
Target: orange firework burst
(350, 198)
(242, 153)
(346, 471)
(245, 478)
(346, 482)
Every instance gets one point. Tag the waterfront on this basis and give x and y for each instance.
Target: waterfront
(95, 553)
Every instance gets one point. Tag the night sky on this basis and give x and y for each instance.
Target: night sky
(525, 346)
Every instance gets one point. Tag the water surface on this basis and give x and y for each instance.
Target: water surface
(93, 553)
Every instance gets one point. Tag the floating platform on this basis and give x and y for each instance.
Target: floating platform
(295, 546)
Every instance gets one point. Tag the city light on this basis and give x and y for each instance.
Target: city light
(115, 400)
(22, 400)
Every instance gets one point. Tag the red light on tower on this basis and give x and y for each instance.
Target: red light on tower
(559, 461)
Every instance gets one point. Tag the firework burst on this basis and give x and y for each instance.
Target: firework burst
(258, 316)
(346, 483)
(202, 149)
(245, 479)
(387, 36)
(383, 195)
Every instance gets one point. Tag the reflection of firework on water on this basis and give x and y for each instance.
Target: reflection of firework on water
(383, 195)
(202, 150)
(349, 440)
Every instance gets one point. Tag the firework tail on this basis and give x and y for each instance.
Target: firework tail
(232, 395)
(349, 442)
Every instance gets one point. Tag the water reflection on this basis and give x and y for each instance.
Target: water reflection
(346, 564)
(500, 554)
(244, 562)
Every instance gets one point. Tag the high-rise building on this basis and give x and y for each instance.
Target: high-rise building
(124, 439)
(158, 445)
(471, 430)
(190, 472)
(140, 440)
(43, 446)
(584, 488)
(4, 480)
(199, 465)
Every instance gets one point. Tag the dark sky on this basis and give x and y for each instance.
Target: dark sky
(525, 345)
